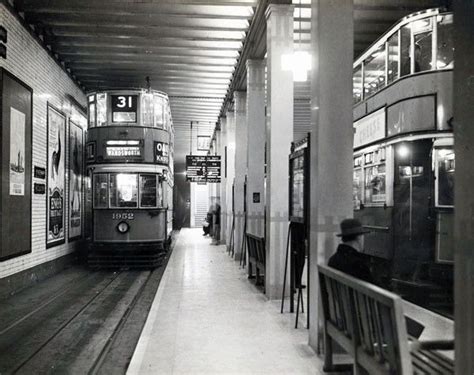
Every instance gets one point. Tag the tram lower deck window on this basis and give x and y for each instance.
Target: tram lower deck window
(148, 190)
(123, 190)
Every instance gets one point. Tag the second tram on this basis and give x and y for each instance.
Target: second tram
(404, 158)
(129, 156)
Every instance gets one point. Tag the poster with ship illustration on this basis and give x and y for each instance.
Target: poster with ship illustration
(56, 178)
(76, 147)
(17, 152)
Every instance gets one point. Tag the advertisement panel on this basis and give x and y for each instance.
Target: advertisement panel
(56, 177)
(76, 170)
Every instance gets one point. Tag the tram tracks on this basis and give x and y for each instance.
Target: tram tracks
(74, 330)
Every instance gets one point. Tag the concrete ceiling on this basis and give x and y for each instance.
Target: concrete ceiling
(194, 50)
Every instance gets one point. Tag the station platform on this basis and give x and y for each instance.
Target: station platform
(207, 318)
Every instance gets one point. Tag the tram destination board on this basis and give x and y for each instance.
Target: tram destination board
(201, 168)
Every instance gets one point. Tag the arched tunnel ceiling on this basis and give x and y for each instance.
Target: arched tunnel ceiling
(195, 50)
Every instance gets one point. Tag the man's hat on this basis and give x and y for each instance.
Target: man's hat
(350, 227)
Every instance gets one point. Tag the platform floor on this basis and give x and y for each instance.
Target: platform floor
(208, 318)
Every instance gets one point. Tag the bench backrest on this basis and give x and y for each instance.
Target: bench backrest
(256, 246)
(370, 317)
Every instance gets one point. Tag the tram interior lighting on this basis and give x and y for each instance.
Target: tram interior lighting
(403, 151)
(123, 143)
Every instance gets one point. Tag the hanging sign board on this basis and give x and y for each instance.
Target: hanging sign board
(201, 168)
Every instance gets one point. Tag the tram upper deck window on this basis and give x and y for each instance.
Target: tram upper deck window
(357, 85)
(445, 165)
(123, 190)
(159, 111)
(148, 190)
(358, 185)
(147, 110)
(374, 72)
(393, 57)
(100, 190)
(423, 47)
(445, 42)
(91, 110)
(101, 110)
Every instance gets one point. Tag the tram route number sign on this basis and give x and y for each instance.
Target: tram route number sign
(203, 168)
(124, 108)
(161, 153)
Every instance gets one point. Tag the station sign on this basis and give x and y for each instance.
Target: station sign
(161, 153)
(124, 108)
(203, 168)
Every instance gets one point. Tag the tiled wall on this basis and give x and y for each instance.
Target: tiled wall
(31, 63)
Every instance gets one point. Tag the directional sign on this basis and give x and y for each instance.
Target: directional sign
(203, 168)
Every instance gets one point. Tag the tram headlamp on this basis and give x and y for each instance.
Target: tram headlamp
(123, 227)
(403, 151)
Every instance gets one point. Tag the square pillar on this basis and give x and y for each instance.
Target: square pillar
(230, 163)
(331, 137)
(279, 134)
(223, 185)
(463, 99)
(255, 141)
(240, 103)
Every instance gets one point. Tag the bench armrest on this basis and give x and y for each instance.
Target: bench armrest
(432, 345)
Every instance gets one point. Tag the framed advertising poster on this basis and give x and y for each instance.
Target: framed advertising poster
(76, 171)
(56, 131)
(299, 177)
(16, 166)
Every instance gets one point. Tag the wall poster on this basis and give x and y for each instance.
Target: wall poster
(16, 166)
(17, 152)
(76, 167)
(56, 177)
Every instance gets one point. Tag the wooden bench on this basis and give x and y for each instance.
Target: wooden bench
(256, 247)
(369, 324)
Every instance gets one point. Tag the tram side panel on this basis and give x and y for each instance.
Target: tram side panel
(411, 230)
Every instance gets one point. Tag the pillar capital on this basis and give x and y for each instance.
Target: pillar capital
(240, 101)
(255, 64)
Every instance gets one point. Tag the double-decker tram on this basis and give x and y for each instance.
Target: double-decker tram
(404, 160)
(129, 155)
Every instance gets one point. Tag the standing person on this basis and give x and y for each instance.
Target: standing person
(348, 257)
(207, 225)
(217, 224)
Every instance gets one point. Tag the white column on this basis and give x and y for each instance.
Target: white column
(279, 134)
(256, 151)
(463, 98)
(230, 140)
(331, 136)
(240, 103)
(223, 184)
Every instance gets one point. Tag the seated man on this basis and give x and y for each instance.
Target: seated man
(348, 258)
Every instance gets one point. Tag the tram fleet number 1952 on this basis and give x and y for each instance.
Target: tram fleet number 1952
(123, 216)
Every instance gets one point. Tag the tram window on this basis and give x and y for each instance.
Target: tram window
(393, 58)
(357, 188)
(374, 72)
(148, 190)
(160, 194)
(375, 186)
(123, 190)
(101, 109)
(159, 118)
(445, 42)
(445, 165)
(357, 85)
(91, 115)
(423, 51)
(147, 109)
(100, 190)
(405, 50)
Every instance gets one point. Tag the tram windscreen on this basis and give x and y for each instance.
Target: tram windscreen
(148, 190)
(123, 190)
(100, 190)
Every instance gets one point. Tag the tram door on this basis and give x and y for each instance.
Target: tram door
(413, 224)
